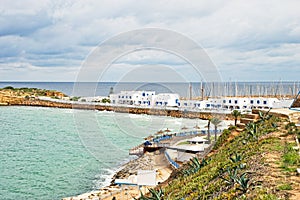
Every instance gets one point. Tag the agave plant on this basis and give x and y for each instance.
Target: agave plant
(252, 130)
(232, 176)
(264, 116)
(244, 182)
(236, 158)
(155, 195)
(194, 166)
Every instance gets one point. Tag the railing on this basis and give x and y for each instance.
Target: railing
(172, 162)
(166, 137)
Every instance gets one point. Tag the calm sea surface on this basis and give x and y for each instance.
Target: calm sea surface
(48, 153)
(210, 89)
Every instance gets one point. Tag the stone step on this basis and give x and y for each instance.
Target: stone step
(247, 120)
(239, 129)
(251, 116)
(240, 125)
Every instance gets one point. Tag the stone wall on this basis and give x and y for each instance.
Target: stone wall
(18, 101)
(296, 103)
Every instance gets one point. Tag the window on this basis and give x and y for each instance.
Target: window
(119, 96)
(258, 101)
(229, 101)
(224, 101)
(236, 101)
(251, 101)
(185, 104)
(129, 97)
(143, 94)
(265, 102)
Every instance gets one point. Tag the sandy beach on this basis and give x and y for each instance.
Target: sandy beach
(149, 161)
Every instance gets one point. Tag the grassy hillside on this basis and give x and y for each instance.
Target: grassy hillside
(258, 163)
(29, 92)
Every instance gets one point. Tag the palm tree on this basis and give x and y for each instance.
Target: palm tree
(216, 122)
(208, 130)
(236, 114)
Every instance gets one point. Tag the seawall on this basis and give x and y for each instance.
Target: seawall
(18, 101)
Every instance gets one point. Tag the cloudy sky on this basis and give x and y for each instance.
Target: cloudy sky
(49, 40)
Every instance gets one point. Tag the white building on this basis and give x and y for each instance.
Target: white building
(149, 98)
(165, 99)
(248, 103)
(132, 98)
(193, 104)
(96, 99)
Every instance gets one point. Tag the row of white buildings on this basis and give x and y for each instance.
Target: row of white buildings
(145, 98)
(151, 99)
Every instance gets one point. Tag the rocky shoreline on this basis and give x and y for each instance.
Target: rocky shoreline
(149, 161)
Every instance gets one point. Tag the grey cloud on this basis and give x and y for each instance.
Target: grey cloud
(238, 35)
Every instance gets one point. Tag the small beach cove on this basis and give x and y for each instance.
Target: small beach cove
(63, 165)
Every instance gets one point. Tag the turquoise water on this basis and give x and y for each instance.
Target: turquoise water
(48, 153)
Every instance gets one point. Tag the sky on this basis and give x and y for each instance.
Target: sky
(50, 40)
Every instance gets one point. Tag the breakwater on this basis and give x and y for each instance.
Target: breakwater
(18, 101)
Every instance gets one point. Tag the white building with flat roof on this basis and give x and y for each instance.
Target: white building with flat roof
(142, 98)
(193, 104)
(165, 99)
(150, 99)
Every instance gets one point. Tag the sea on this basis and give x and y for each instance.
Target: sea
(50, 153)
(184, 89)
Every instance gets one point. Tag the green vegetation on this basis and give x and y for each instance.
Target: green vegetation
(216, 122)
(223, 137)
(290, 158)
(74, 98)
(183, 143)
(286, 186)
(8, 88)
(237, 168)
(208, 130)
(236, 114)
(105, 100)
(30, 91)
(193, 166)
(292, 129)
(155, 195)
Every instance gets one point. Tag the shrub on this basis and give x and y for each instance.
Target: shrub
(285, 186)
(9, 88)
